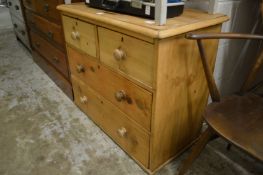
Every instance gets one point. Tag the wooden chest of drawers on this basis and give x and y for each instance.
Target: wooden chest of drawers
(47, 40)
(142, 84)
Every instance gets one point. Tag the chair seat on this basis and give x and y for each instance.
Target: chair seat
(239, 119)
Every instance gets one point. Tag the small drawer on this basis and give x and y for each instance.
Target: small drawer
(15, 8)
(132, 56)
(80, 35)
(47, 8)
(51, 30)
(30, 4)
(52, 54)
(130, 98)
(114, 122)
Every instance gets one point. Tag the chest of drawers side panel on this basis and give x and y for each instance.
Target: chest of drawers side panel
(181, 95)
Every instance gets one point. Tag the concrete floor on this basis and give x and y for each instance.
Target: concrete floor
(42, 132)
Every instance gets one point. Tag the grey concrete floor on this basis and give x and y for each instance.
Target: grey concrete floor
(42, 132)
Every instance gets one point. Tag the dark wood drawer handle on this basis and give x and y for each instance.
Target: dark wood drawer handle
(15, 25)
(55, 59)
(16, 7)
(50, 34)
(37, 44)
(46, 7)
(80, 68)
(9, 4)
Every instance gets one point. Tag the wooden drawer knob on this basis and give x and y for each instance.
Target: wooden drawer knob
(122, 132)
(55, 59)
(120, 95)
(80, 68)
(119, 54)
(83, 100)
(75, 35)
(16, 7)
(50, 34)
(46, 7)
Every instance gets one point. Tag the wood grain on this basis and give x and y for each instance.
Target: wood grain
(133, 140)
(138, 55)
(180, 97)
(53, 55)
(189, 21)
(107, 83)
(51, 30)
(87, 38)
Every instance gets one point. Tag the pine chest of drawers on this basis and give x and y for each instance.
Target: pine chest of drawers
(142, 84)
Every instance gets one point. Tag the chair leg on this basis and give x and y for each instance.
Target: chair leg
(196, 150)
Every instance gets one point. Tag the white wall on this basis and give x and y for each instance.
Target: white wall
(235, 57)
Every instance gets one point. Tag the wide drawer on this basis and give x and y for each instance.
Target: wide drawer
(60, 81)
(15, 8)
(114, 122)
(132, 56)
(52, 54)
(47, 8)
(30, 4)
(80, 35)
(130, 98)
(53, 31)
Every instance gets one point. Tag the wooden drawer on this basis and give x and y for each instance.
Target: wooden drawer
(132, 56)
(81, 35)
(130, 98)
(53, 31)
(60, 81)
(53, 55)
(47, 8)
(15, 8)
(30, 4)
(114, 122)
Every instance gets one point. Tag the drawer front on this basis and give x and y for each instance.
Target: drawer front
(130, 98)
(127, 54)
(53, 55)
(114, 122)
(47, 8)
(15, 8)
(20, 30)
(57, 77)
(53, 31)
(80, 35)
(30, 4)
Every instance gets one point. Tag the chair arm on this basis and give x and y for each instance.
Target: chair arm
(200, 36)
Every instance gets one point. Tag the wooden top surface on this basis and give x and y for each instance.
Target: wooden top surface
(190, 20)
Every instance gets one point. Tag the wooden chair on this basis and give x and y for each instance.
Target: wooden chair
(236, 118)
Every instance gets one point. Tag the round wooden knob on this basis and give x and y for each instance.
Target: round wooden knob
(55, 59)
(83, 99)
(80, 68)
(119, 54)
(75, 35)
(122, 132)
(120, 95)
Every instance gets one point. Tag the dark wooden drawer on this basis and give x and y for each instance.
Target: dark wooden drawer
(50, 30)
(60, 81)
(47, 8)
(52, 54)
(30, 4)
